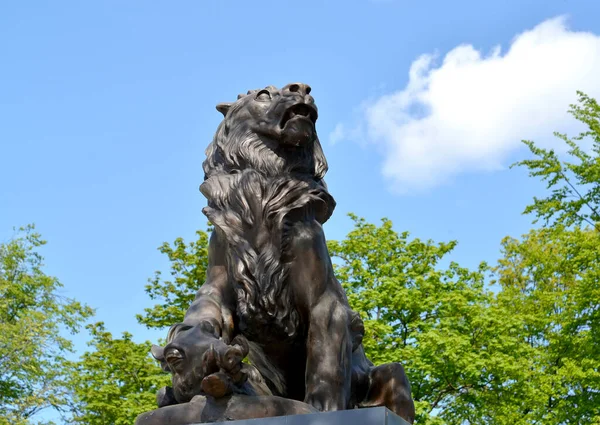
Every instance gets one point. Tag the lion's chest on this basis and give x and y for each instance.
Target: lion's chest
(268, 318)
(253, 212)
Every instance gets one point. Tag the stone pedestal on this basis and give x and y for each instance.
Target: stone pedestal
(372, 416)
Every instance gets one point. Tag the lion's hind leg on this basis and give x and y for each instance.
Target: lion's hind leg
(389, 387)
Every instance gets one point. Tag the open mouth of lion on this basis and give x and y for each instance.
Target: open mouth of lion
(299, 111)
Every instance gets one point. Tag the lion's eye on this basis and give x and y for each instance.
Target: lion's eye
(263, 96)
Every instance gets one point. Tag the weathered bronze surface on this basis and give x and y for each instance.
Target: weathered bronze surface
(270, 294)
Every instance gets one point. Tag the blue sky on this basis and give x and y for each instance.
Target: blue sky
(106, 109)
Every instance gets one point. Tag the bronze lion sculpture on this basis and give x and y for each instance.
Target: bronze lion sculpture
(270, 293)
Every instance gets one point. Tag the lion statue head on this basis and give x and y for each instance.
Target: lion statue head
(271, 131)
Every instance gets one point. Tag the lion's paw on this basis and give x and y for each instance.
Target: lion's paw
(325, 399)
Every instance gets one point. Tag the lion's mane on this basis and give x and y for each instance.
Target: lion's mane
(252, 186)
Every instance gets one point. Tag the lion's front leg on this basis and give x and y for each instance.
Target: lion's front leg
(329, 340)
(214, 303)
(329, 351)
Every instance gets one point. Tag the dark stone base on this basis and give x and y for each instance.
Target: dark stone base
(206, 409)
(371, 416)
(243, 410)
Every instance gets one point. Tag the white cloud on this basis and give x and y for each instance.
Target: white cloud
(471, 112)
(337, 134)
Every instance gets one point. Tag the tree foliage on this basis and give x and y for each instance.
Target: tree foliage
(549, 283)
(439, 322)
(33, 317)
(188, 263)
(551, 280)
(115, 381)
(575, 183)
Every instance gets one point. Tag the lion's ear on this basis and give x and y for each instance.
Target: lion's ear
(224, 107)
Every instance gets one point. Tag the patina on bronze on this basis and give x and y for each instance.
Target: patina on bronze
(270, 294)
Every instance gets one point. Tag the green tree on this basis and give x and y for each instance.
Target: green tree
(549, 283)
(118, 379)
(189, 262)
(574, 181)
(439, 322)
(32, 318)
(551, 278)
(114, 382)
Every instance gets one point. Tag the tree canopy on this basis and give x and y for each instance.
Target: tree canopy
(574, 182)
(34, 318)
(115, 381)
